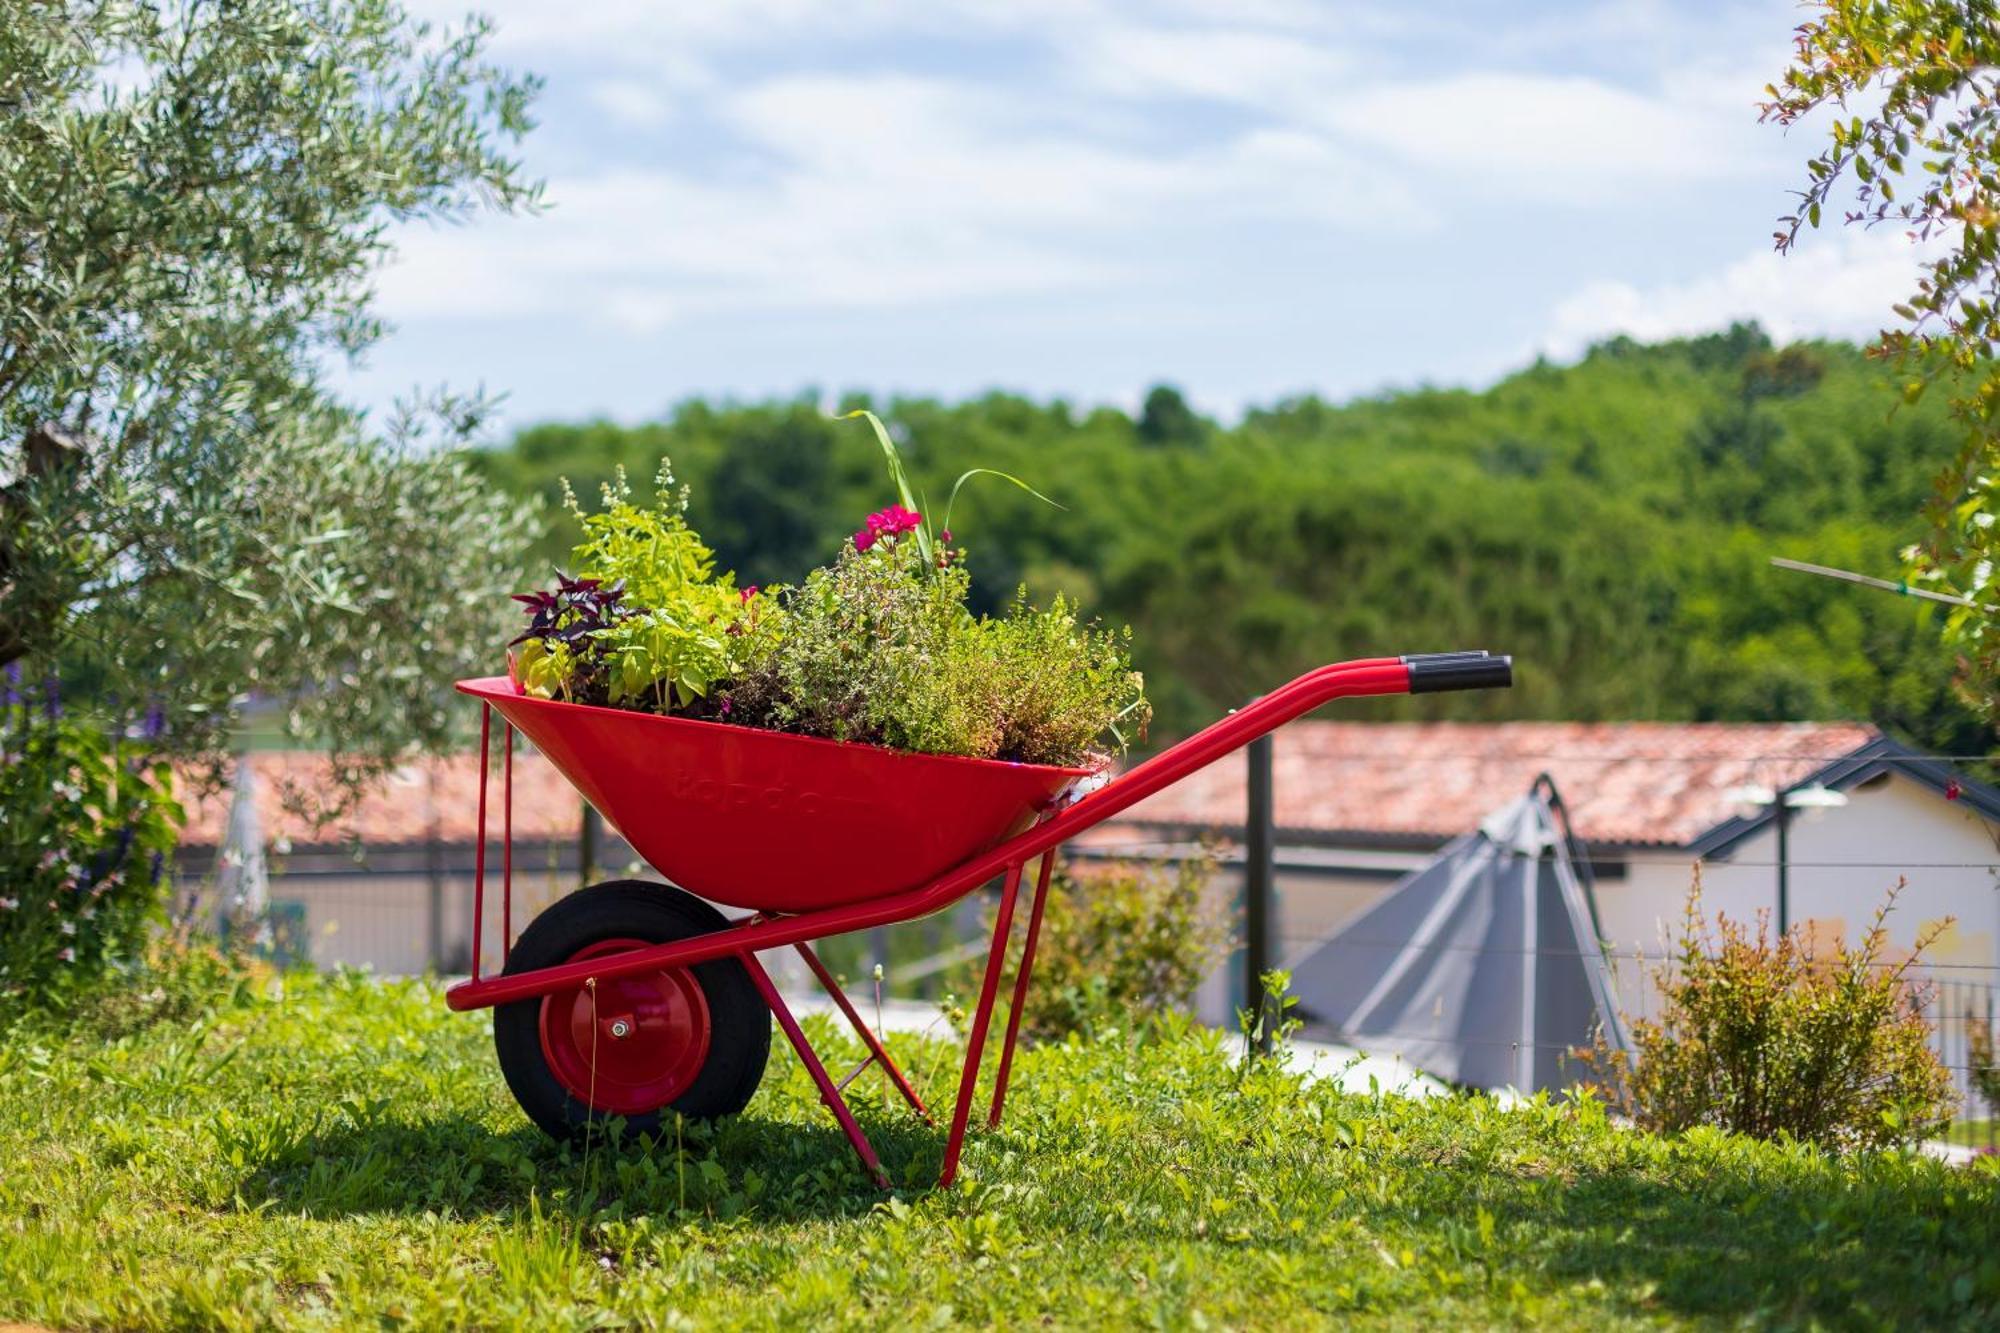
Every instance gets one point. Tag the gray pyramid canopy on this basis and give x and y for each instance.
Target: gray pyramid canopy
(1483, 968)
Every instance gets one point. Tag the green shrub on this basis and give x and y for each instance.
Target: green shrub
(88, 824)
(1772, 1039)
(879, 648)
(1121, 945)
(1060, 686)
(861, 637)
(646, 622)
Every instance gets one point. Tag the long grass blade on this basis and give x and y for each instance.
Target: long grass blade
(899, 475)
(952, 499)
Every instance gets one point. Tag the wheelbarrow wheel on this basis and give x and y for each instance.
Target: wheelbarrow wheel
(691, 1041)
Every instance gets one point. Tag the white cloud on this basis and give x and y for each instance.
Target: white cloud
(1276, 70)
(1572, 138)
(876, 191)
(633, 104)
(1835, 286)
(768, 155)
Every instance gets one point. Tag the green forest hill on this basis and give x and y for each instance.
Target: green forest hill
(1609, 522)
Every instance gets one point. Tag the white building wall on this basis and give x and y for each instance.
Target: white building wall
(1842, 863)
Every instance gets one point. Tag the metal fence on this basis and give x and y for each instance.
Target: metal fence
(1963, 1014)
(406, 908)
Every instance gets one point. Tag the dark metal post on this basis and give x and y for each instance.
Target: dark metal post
(1784, 862)
(1258, 879)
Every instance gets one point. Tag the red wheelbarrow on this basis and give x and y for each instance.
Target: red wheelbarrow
(638, 999)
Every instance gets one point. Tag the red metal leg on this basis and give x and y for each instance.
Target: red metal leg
(827, 1092)
(975, 1042)
(1020, 989)
(507, 850)
(479, 857)
(876, 1051)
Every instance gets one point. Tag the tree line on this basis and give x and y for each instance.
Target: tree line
(1609, 522)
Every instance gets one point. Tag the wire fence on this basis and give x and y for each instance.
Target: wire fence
(402, 908)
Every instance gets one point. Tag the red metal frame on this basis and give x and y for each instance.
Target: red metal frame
(765, 930)
(877, 1053)
(1021, 975)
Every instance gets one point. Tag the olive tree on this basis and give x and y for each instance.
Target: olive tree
(195, 197)
(1914, 142)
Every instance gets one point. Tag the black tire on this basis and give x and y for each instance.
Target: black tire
(739, 1020)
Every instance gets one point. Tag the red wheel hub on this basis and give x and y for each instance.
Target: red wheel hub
(630, 1045)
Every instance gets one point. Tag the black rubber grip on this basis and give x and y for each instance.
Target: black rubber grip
(1433, 672)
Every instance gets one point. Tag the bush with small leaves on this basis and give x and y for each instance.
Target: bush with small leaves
(1774, 1038)
(1122, 945)
(879, 647)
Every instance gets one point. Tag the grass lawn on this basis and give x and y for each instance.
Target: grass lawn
(1974, 1133)
(348, 1156)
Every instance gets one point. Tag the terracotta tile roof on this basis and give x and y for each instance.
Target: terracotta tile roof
(1633, 783)
(401, 809)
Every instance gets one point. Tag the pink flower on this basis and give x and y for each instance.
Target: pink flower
(888, 522)
(67, 955)
(747, 593)
(9, 904)
(945, 536)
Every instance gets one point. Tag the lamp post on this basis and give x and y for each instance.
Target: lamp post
(1803, 795)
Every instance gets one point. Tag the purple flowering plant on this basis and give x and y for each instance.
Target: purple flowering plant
(90, 823)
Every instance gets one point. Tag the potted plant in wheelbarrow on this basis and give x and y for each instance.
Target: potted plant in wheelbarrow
(854, 750)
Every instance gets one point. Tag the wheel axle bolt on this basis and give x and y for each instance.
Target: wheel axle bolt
(620, 1028)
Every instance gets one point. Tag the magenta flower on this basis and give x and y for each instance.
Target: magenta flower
(747, 592)
(888, 522)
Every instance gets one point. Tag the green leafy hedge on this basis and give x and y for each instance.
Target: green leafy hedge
(1622, 510)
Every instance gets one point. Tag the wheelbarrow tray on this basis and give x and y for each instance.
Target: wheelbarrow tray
(775, 822)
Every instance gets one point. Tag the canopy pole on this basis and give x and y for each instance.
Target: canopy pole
(1259, 879)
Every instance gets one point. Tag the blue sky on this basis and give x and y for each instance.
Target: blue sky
(1080, 198)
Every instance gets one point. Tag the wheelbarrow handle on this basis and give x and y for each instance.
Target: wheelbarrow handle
(1431, 673)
